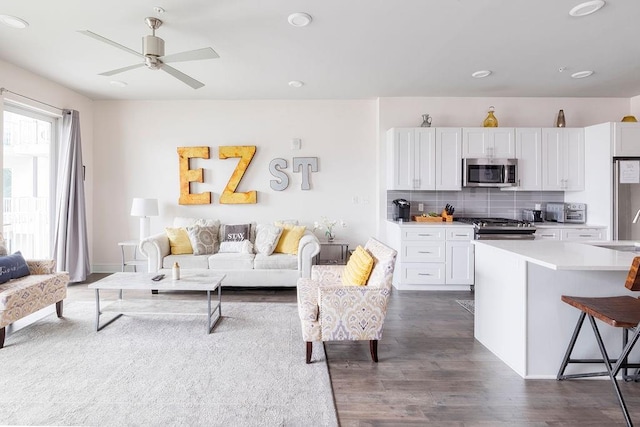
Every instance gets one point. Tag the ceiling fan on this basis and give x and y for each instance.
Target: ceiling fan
(154, 57)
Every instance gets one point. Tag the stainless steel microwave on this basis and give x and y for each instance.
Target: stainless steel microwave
(490, 172)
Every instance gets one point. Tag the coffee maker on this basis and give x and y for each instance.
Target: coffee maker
(401, 210)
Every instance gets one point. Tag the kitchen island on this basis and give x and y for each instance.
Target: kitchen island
(518, 312)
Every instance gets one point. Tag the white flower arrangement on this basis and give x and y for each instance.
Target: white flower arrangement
(328, 225)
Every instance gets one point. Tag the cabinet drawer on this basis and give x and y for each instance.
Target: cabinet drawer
(460, 233)
(582, 234)
(423, 233)
(547, 234)
(423, 252)
(423, 274)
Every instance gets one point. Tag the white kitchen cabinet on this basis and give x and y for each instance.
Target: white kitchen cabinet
(411, 159)
(626, 139)
(433, 255)
(448, 159)
(570, 233)
(488, 142)
(562, 159)
(529, 155)
(582, 234)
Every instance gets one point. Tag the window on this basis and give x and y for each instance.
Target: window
(28, 181)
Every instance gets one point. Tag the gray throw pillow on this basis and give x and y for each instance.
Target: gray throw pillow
(234, 232)
(267, 237)
(203, 239)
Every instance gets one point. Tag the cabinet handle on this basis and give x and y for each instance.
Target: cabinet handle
(425, 274)
(461, 235)
(424, 252)
(548, 235)
(425, 235)
(586, 235)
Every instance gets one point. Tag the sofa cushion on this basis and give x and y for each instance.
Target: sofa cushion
(275, 262)
(267, 237)
(186, 261)
(227, 261)
(12, 267)
(203, 239)
(179, 241)
(290, 238)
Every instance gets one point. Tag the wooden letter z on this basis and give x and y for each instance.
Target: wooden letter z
(246, 153)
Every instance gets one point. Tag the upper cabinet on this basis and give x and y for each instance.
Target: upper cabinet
(411, 159)
(424, 159)
(626, 139)
(448, 159)
(488, 142)
(563, 159)
(529, 155)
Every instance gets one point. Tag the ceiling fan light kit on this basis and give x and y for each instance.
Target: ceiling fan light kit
(153, 56)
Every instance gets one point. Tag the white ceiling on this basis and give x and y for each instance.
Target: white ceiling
(352, 49)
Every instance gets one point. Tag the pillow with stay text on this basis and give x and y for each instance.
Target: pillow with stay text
(235, 232)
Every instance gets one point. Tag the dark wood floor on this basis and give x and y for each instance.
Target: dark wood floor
(432, 372)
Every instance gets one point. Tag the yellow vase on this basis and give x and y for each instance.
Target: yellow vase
(490, 121)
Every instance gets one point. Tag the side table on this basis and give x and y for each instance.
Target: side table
(133, 260)
(327, 246)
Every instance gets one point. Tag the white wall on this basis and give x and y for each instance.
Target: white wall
(33, 86)
(469, 112)
(136, 144)
(635, 107)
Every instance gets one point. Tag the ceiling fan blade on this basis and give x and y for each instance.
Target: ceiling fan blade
(182, 77)
(112, 43)
(191, 55)
(121, 70)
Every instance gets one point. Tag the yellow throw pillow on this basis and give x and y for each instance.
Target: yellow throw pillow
(358, 269)
(179, 241)
(290, 238)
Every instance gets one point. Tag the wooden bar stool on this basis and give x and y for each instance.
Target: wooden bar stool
(619, 312)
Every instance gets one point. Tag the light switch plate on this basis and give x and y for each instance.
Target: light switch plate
(421, 207)
(296, 143)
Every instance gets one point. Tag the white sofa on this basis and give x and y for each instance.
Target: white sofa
(241, 269)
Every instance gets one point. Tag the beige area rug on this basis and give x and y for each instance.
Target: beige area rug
(164, 369)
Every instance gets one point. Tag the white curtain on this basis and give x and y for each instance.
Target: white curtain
(71, 249)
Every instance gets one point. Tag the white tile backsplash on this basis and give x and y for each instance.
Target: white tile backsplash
(480, 202)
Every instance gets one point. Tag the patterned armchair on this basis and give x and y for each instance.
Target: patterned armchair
(331, 311)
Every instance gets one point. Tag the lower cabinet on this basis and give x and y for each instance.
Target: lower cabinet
(570, 233)
(431, 255)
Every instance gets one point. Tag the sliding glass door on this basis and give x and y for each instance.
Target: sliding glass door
(28, 181)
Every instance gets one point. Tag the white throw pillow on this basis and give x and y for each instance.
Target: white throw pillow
(267, 238)
(243, 247)
(203, 239)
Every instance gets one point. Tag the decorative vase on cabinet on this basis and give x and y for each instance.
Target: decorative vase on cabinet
(560, 123)
(490, 121)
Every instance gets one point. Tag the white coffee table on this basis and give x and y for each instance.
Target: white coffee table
(190, 280)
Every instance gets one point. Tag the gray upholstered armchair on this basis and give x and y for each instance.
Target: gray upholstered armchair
(331, 311)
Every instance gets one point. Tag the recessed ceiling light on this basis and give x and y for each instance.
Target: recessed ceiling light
(582, 74)
(118, 83)
(13, 21)
(299, 19)
(481, 74)
(296, 83)
(587, 8)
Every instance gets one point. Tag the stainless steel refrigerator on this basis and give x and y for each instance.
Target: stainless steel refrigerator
(626, 198)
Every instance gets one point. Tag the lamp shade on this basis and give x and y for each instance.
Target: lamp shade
(144, 207)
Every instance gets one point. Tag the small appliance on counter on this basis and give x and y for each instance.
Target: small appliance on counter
(573, 213)
(401, 210)
(532, 215)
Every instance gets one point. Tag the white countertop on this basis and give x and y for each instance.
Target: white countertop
(430, 224)
(558, 255)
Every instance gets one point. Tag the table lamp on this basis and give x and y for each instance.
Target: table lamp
(144, 208)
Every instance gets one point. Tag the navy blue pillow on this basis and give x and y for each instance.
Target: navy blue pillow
(12, 267)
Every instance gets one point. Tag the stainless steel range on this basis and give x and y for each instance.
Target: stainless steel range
(500, 228)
